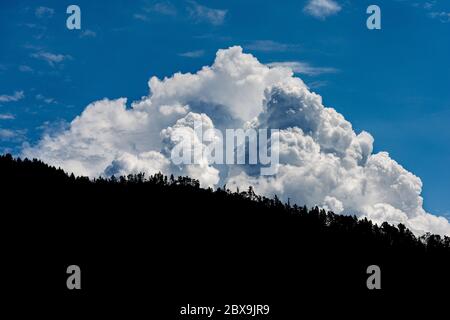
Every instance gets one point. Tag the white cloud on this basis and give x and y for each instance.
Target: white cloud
(270, 46)
(165, 8)
(18, 95)
(323, 161)
(201, 13)
(6, 134)
(193, 54)
(427, 5)
(44, 12)
(139, 16)
(432, 12)
(162, 8)
(51, 58)
(12, 135)
(321, 9)
(149, 162)
(441, 16)
(6, 116)
(47, 100)
(303, 68)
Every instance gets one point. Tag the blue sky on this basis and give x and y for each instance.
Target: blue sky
(393, 82)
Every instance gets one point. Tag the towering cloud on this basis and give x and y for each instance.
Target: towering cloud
(322, 161)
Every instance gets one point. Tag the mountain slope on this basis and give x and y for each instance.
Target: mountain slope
(190, 244)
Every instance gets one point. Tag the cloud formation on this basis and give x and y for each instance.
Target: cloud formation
(18, 95)
(165, 8)
(443, 16)
(323, 161)
(47, 100)
(12, 135)
(321, 9)
(192, 54)
(51, 58)
(201, 13)
(6, 116)
(139, 16)
(44, 12)
(303, 67)
(270, 46)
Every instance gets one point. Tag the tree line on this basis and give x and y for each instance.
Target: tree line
(26, 172)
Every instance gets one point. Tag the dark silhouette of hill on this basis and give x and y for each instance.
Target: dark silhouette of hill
(166, 236)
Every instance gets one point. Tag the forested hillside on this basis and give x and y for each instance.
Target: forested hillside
(184, 241)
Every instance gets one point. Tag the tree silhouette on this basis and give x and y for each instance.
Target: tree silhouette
(174, 222)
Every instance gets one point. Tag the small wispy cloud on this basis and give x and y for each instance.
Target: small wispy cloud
(34, 26)
(442, 16)
(88, 34)
(44, 12)
(6, 134)
(432, 12)
(139, 16)
(321, 9)
(32, 47)
(201, 13)
(427, 5)
(47, 100)
(164, 8)
(7, 116)
(317, 84)
(15, 135)
(270, 46)
(18, 95)
(51, 58)
(40, 30)
(302, 67)
(192, 54)
(25, 68)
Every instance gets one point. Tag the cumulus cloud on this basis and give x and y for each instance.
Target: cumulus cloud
(321, 9)
(322, 160)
